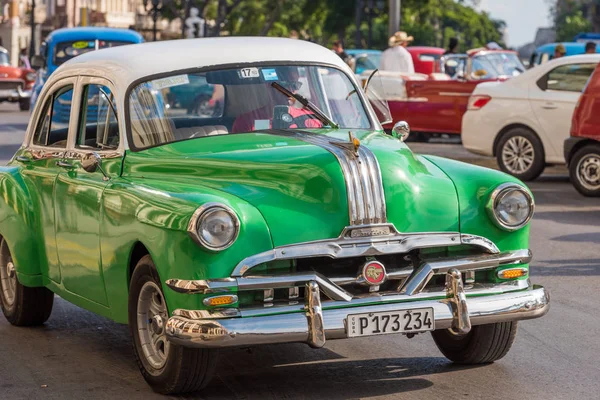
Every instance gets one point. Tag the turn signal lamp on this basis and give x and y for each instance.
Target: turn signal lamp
(512, 273)
(477, 101)
(220, 300)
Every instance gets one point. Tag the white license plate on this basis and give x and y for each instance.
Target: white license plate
(385, 322)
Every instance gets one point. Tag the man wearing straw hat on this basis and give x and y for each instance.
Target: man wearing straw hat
(396, 58)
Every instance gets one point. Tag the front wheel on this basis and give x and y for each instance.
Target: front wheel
(168, 368)
(584, 170)
(21, 305)
(520, 153)
(483, 344)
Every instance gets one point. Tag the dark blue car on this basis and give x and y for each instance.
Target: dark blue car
(64, 44)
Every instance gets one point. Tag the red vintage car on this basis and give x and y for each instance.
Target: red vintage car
(434, 103)
(426, 59)
(582, 149)
(15, 83)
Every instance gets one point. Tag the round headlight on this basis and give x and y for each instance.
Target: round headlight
(510, 206)
(214, 226)
(30, 76)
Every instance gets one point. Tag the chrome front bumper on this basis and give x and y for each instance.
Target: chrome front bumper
(315, 325)
(15, 94)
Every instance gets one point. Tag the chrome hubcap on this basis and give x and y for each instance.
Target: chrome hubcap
(518, 154)
(588, 171)
(8, 282)
(151, 317)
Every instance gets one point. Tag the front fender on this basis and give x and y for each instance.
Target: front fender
(156, 214)
(474, 185)
(18, 228)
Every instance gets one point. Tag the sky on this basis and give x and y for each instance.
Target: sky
(522, 17)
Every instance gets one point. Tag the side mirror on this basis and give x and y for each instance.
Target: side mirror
(37, 62)
(92, 162)
(401, 130)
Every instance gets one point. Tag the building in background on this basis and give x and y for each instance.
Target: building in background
(15, 20)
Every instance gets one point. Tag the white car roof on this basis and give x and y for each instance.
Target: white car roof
(126, 64)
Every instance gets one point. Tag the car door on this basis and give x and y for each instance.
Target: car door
(78, 193)
(553, 98)
(41, 159)
(438, 105)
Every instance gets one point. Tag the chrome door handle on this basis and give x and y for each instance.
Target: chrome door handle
(550, 106)
(64, 164)
(23, 159)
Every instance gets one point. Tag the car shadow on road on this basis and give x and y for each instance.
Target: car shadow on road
(579, 267)
(284, 371)
(590, 217)
(79, 351)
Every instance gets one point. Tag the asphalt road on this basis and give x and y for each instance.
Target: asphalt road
(80, 355)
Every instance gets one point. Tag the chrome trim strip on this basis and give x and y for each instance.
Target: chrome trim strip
(344, 247)
(287, 328)
(362, 175)
(455, 94)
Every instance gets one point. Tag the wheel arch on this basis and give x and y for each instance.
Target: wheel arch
(512, 126)
(138, 250)
(577, 147)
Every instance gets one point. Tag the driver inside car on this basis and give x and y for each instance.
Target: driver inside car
(262, 117)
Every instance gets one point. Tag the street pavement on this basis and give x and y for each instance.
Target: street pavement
(77, 354)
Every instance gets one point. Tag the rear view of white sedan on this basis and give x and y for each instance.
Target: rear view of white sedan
(525, 120)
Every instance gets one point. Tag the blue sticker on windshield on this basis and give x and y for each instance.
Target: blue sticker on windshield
(269, 74)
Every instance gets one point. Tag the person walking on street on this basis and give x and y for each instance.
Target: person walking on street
(452, 46)
(590, 48)
(396, 58)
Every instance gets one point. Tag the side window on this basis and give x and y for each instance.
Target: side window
(98, 125)
(570, 78)
(53, 125)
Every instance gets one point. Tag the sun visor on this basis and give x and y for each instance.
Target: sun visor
(247, 76)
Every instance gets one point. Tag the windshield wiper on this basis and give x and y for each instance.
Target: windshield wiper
(306, 103)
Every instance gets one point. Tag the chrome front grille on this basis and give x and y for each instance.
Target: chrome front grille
(10, 85)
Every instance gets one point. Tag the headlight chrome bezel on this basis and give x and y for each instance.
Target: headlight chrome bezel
(498, 194)
(200, 213)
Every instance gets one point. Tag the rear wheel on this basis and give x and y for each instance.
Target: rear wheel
(21, 305)
(483, 344)
(520, 153)
(168, 368)
(584, 170)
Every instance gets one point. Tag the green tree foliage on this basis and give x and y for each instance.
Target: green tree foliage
(431, 22)
(571, 17)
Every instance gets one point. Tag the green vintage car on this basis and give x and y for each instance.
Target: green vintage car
(287, 215)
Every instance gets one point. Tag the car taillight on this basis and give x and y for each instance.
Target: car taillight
(476, 102)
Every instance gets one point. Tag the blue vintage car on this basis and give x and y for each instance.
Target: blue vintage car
(64, 44)
(546, 52)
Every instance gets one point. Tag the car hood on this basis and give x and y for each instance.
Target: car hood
(7, 72)
(299, 187)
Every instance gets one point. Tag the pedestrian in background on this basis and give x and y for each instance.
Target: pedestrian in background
(559, 51)
(396, 58)
(338, 49)
(452, 46)
(590, 48)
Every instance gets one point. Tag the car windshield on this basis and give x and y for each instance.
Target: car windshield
(4, 58)
(64, 51)
(496, 65)
(242, 100)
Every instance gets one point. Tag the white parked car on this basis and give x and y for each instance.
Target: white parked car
(525, 120)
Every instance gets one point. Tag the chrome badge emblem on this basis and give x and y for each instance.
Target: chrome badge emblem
(373, 273)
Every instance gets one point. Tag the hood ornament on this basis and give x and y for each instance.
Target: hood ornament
(351, 145)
